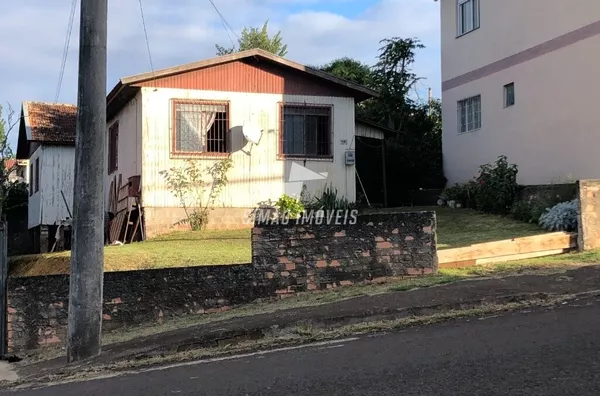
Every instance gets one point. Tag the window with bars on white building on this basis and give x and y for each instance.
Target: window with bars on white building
(469, 114)
(468, 16)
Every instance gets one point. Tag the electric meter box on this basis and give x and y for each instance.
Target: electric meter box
(350, 157)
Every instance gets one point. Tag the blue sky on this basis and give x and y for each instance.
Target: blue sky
(33, 32)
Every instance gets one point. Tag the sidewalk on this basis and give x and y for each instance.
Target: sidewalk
(419, 302)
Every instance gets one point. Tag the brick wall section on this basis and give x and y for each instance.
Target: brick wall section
(303, 257)
(37, 306)
(588, 233)
(286, 259)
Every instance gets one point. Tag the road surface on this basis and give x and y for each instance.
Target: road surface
(545, 353)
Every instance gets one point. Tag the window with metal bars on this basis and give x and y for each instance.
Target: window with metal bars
(469, 114)
(305, 131)
(200, 127)
(113, 147)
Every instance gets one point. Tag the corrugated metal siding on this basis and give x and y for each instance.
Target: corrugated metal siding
(252, 77)
(129, 153)
(257, 176)
(57, 174)
(368, 131)
(34, 208)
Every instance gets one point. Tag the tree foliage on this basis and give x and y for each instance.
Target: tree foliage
(252, 38)
(349, 69)
(414, 152)
(7, 195)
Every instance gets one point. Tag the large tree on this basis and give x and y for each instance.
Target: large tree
(349, 69)
(256, 38)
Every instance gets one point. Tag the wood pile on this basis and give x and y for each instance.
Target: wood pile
(125, 203)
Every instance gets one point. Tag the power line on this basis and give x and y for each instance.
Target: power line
(65, 50)
(225, 23)
(146, 36)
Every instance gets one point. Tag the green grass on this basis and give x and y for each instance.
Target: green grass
(456, 228)
(464, 227)
(179, 249)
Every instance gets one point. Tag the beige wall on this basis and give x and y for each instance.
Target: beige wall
(129, 144)
(552, 130)
(257, 176)
(508, 27)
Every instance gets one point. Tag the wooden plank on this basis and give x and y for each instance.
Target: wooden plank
(500, 259)
(537, 243)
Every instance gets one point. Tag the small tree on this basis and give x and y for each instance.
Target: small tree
(6, 153)
(195, 194)
(256, 38)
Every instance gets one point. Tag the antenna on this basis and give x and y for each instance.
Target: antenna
(252, 132)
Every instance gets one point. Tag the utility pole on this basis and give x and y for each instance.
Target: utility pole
(87, 255)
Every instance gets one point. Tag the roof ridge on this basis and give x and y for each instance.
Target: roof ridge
(48, 103)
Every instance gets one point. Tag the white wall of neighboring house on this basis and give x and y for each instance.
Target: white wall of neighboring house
(57, 175)
(129, 157)
(257, 176)
(551, 130)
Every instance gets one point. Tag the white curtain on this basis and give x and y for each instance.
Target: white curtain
(193, 123)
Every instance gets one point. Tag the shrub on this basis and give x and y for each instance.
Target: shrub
(195, 194)
(329, 200)
(289, 206)
(498, 188)
(522, 211)
(561, 217)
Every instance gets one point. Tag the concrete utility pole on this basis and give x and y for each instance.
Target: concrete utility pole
(87, 255)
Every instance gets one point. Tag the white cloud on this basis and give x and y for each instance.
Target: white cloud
(32, 35)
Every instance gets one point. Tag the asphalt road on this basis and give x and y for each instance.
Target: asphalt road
(540, 353)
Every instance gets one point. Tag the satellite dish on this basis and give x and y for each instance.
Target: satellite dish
(252, 133)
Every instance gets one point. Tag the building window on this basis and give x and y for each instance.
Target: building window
(305, 131)
(468, 16)
(37, 174)
(469, 114)
(509, 95)
(30, 180)
(113, 147)
(200, 127)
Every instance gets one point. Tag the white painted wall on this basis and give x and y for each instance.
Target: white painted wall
(551, 132)
(258, 176)
(129, 144)
(47, 206)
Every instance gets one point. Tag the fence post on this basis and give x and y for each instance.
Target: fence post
(3, 287)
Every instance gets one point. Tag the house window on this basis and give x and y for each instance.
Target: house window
(113, 147)
(305, 131)
(469, 114)
(37, 174)
(200, 127)
(509, 95)
(30, 180)
(468, 16)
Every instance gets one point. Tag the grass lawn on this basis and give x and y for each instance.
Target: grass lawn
(456, 228)
(179, 249)
(463, 227)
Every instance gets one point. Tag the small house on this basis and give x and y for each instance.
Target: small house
(47, 141)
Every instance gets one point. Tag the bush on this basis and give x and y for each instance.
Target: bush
(289, 206)
(522, 211)
(329, 200)
(498, 189)
(561, 217)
